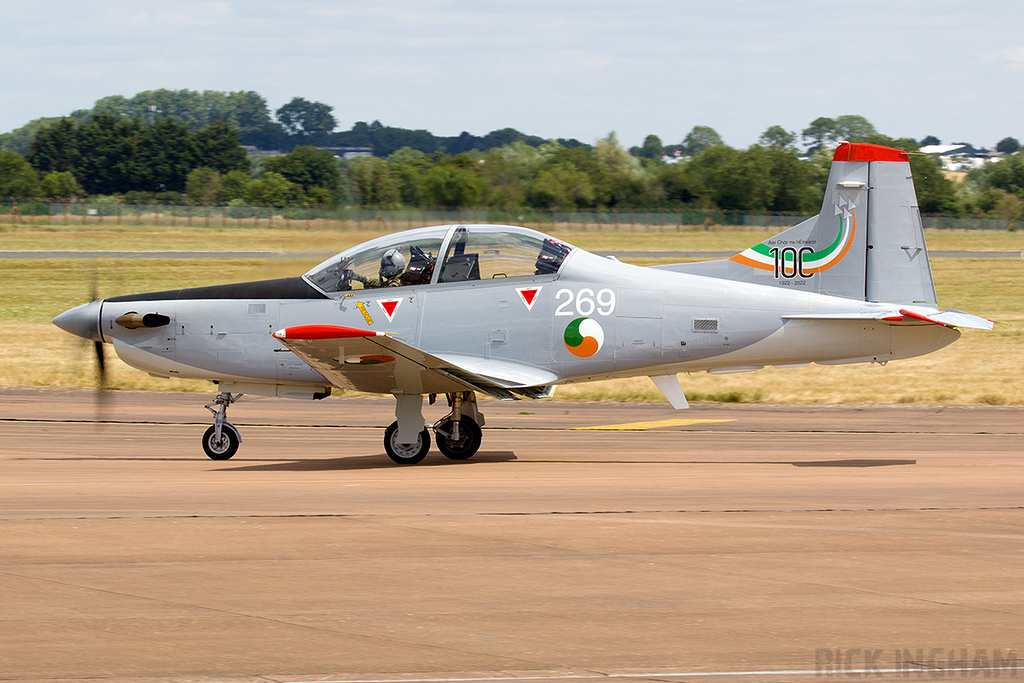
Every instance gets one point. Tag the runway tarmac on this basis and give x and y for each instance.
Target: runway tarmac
(726, 542)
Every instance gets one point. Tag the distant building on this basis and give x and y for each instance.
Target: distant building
(673, 158)
(959, 157)
(253, 151)
(350, 152)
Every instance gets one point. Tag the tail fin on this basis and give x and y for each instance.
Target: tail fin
(867, 243)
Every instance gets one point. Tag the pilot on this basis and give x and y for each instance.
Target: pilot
(392, 265)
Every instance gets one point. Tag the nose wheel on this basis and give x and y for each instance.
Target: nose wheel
(224, 446)
(221, 440)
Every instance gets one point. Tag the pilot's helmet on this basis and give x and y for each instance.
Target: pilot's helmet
(392, 264)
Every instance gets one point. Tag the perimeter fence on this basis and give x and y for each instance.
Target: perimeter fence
(349, 218)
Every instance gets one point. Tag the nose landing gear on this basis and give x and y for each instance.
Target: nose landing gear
(221, 440)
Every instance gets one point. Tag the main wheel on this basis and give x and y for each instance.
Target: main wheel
(406, 453)
(226, 447)
(465, 446)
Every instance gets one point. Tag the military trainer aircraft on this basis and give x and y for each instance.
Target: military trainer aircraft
(510, 313)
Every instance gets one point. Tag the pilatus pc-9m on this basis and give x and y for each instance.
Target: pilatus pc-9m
(508, 312)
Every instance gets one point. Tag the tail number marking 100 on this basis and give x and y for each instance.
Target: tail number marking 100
(585, 302)
(789, 262)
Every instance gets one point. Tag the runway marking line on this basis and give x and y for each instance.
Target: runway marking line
(640, 426)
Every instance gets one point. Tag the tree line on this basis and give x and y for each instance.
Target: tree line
(162, 159)
(298, 122)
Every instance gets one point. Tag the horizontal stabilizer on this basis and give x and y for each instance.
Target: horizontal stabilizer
(949, 318)
(955, 318)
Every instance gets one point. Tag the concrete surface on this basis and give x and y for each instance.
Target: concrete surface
(737, 543)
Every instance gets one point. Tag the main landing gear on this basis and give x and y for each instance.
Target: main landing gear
(458, 433)
(406, 440)
(221, 440)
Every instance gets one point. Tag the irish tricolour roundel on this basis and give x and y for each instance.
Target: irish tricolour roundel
(584, 337)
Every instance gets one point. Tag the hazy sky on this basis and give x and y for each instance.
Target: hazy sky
(554, 68)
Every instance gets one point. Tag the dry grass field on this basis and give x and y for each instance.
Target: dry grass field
(983, 367)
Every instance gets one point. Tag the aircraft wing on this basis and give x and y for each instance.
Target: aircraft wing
(949, 318)
(365, 360)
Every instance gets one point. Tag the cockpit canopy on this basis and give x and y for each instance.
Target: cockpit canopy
(471, 252)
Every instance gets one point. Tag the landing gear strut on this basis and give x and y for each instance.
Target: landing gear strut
(458, 434)
(221, 440)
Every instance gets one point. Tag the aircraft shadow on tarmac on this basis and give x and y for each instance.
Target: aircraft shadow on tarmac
(371, 462)
(367, 462)
(865, 462)
(870, 462)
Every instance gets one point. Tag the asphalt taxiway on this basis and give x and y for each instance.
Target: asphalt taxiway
(585, 541)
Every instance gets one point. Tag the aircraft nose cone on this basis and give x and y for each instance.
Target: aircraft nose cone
(83, 321)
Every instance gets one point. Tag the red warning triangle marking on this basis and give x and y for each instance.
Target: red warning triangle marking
(389, 306)
(528, 295)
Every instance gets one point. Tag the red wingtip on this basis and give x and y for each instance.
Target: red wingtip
(323, 332)
(862, 151)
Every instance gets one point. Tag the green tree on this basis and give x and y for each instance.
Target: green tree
(820, 132)
(312, 120)
(245, 111)
(935, 193)
(60, 185)
(795, 186)
(218, 147)
(318, 196)
(308, 167)
(505, 179)
(853, 128)
(824, 131)
(451, 186)
(1006, 174)
(203, 186)
(272, 189)
(677, 186)
(108, 149)
(699, 139)
(55, 147)
(164, 157)
(622, 178)
(250, 114)
(777, 136)
(407, 166)
(1008, 146)
(527, 158)
(735, 180)
(561, 186)
(20, 139)
(652, 148)
(372, 182)
(930, 140)
(233, 184)
(17, 177)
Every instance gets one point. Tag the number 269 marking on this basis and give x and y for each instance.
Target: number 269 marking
(585, 302)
